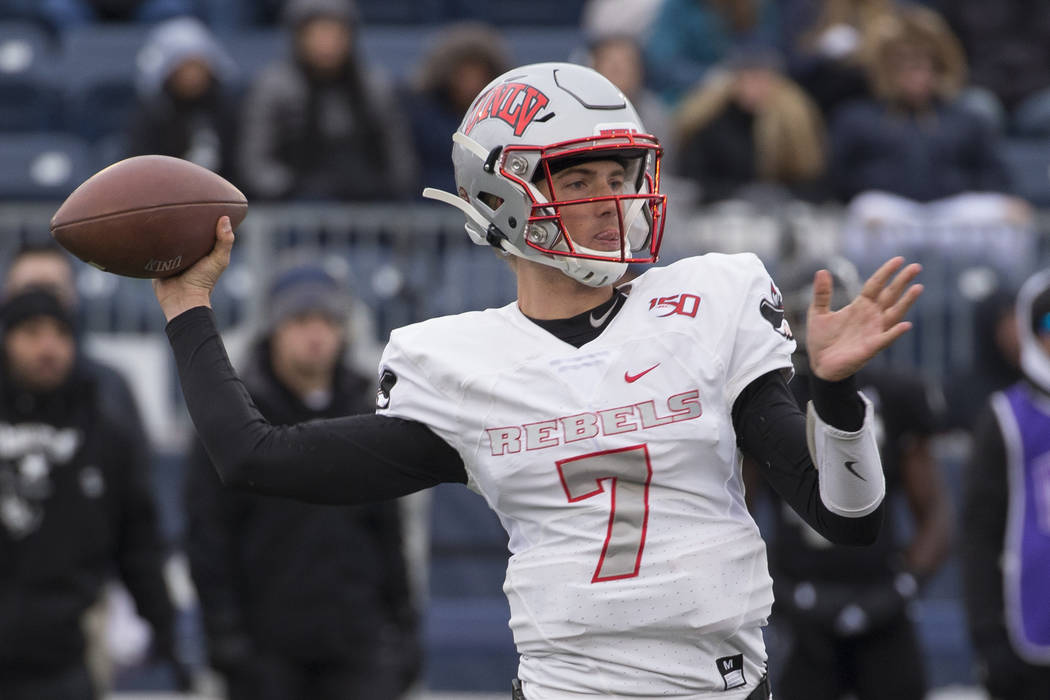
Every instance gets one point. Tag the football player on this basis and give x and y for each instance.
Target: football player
(604, 425)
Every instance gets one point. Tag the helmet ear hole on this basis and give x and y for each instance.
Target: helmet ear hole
(490, 200)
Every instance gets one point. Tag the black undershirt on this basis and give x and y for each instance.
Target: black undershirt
(358, 459)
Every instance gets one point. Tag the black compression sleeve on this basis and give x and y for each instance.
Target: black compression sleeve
(771, 430)
(355, 459)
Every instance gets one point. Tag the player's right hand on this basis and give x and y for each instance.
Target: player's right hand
(193, 286)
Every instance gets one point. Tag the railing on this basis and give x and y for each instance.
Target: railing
(414, 261)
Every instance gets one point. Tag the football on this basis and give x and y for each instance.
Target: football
(147, 216)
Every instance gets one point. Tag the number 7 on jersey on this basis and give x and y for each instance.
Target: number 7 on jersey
(629, 472)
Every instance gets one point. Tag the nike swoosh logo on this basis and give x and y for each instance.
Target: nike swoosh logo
(851, 470)
(597, 322)
(631, 378)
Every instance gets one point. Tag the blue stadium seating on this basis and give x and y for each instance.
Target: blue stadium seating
(469, 645)
(1028, 162)
(29, 100)
(97, 69)
(532, 13)
(254, 49)
(42, 166)
(386, 12)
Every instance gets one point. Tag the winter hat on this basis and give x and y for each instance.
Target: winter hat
(306, 288)
(175, 41)
(31, 303)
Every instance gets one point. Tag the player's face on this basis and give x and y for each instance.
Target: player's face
(594, 225)
(308, 344)
(40, 353)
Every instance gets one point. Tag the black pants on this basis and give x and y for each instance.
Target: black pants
(272, 677)
(883, 663)
(70, 684)
(761, 691)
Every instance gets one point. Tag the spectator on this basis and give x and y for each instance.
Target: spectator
(846, 608)
(1008, 46)
(927, 167)
(301, 600)
(631, 18)
(689, 37)
(61, 15)
(187, 106)
(826, 41)
(320, 125)
(751, 126)
(466, 58)
(619, 58)
(49, 267)
(1006, 518)
(76, 506)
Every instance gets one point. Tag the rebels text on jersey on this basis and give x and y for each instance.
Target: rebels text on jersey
(615, 471)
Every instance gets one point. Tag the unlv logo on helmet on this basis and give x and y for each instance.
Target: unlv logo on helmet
(515, 103)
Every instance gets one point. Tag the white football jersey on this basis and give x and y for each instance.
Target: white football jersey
(635, 568)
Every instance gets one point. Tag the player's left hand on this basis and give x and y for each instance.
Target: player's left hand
(841, 342)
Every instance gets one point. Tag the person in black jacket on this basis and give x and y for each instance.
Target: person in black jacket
(1006, 517)
(75, 506)
(322, 124)
(188, 98)
(301, 600)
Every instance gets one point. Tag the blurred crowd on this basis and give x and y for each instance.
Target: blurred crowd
(920, 120)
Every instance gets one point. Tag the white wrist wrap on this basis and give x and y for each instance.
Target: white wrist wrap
(852, 483)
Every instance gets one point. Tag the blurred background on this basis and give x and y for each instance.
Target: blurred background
(792, 129)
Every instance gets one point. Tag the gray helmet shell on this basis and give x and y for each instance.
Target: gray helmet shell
(520, 122)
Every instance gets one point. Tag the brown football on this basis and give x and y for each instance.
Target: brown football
(147, 216)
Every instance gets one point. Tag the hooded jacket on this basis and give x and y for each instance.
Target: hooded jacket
(75, 509)
(338, 137)
(303, 581)
(201, 130)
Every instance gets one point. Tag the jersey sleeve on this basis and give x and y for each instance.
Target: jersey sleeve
(407, 390)
(761, 339)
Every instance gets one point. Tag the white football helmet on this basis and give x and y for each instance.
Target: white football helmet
(555, 114)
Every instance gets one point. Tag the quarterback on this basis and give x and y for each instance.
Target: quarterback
(603, 422)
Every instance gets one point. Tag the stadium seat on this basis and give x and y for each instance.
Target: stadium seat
(468, 643)
(386, 12)
(96, 68)
(398, 50)
(42, 165)
(254, 49)
(533, 13)
(1028, 162)
(29, 100)
(468, 545)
